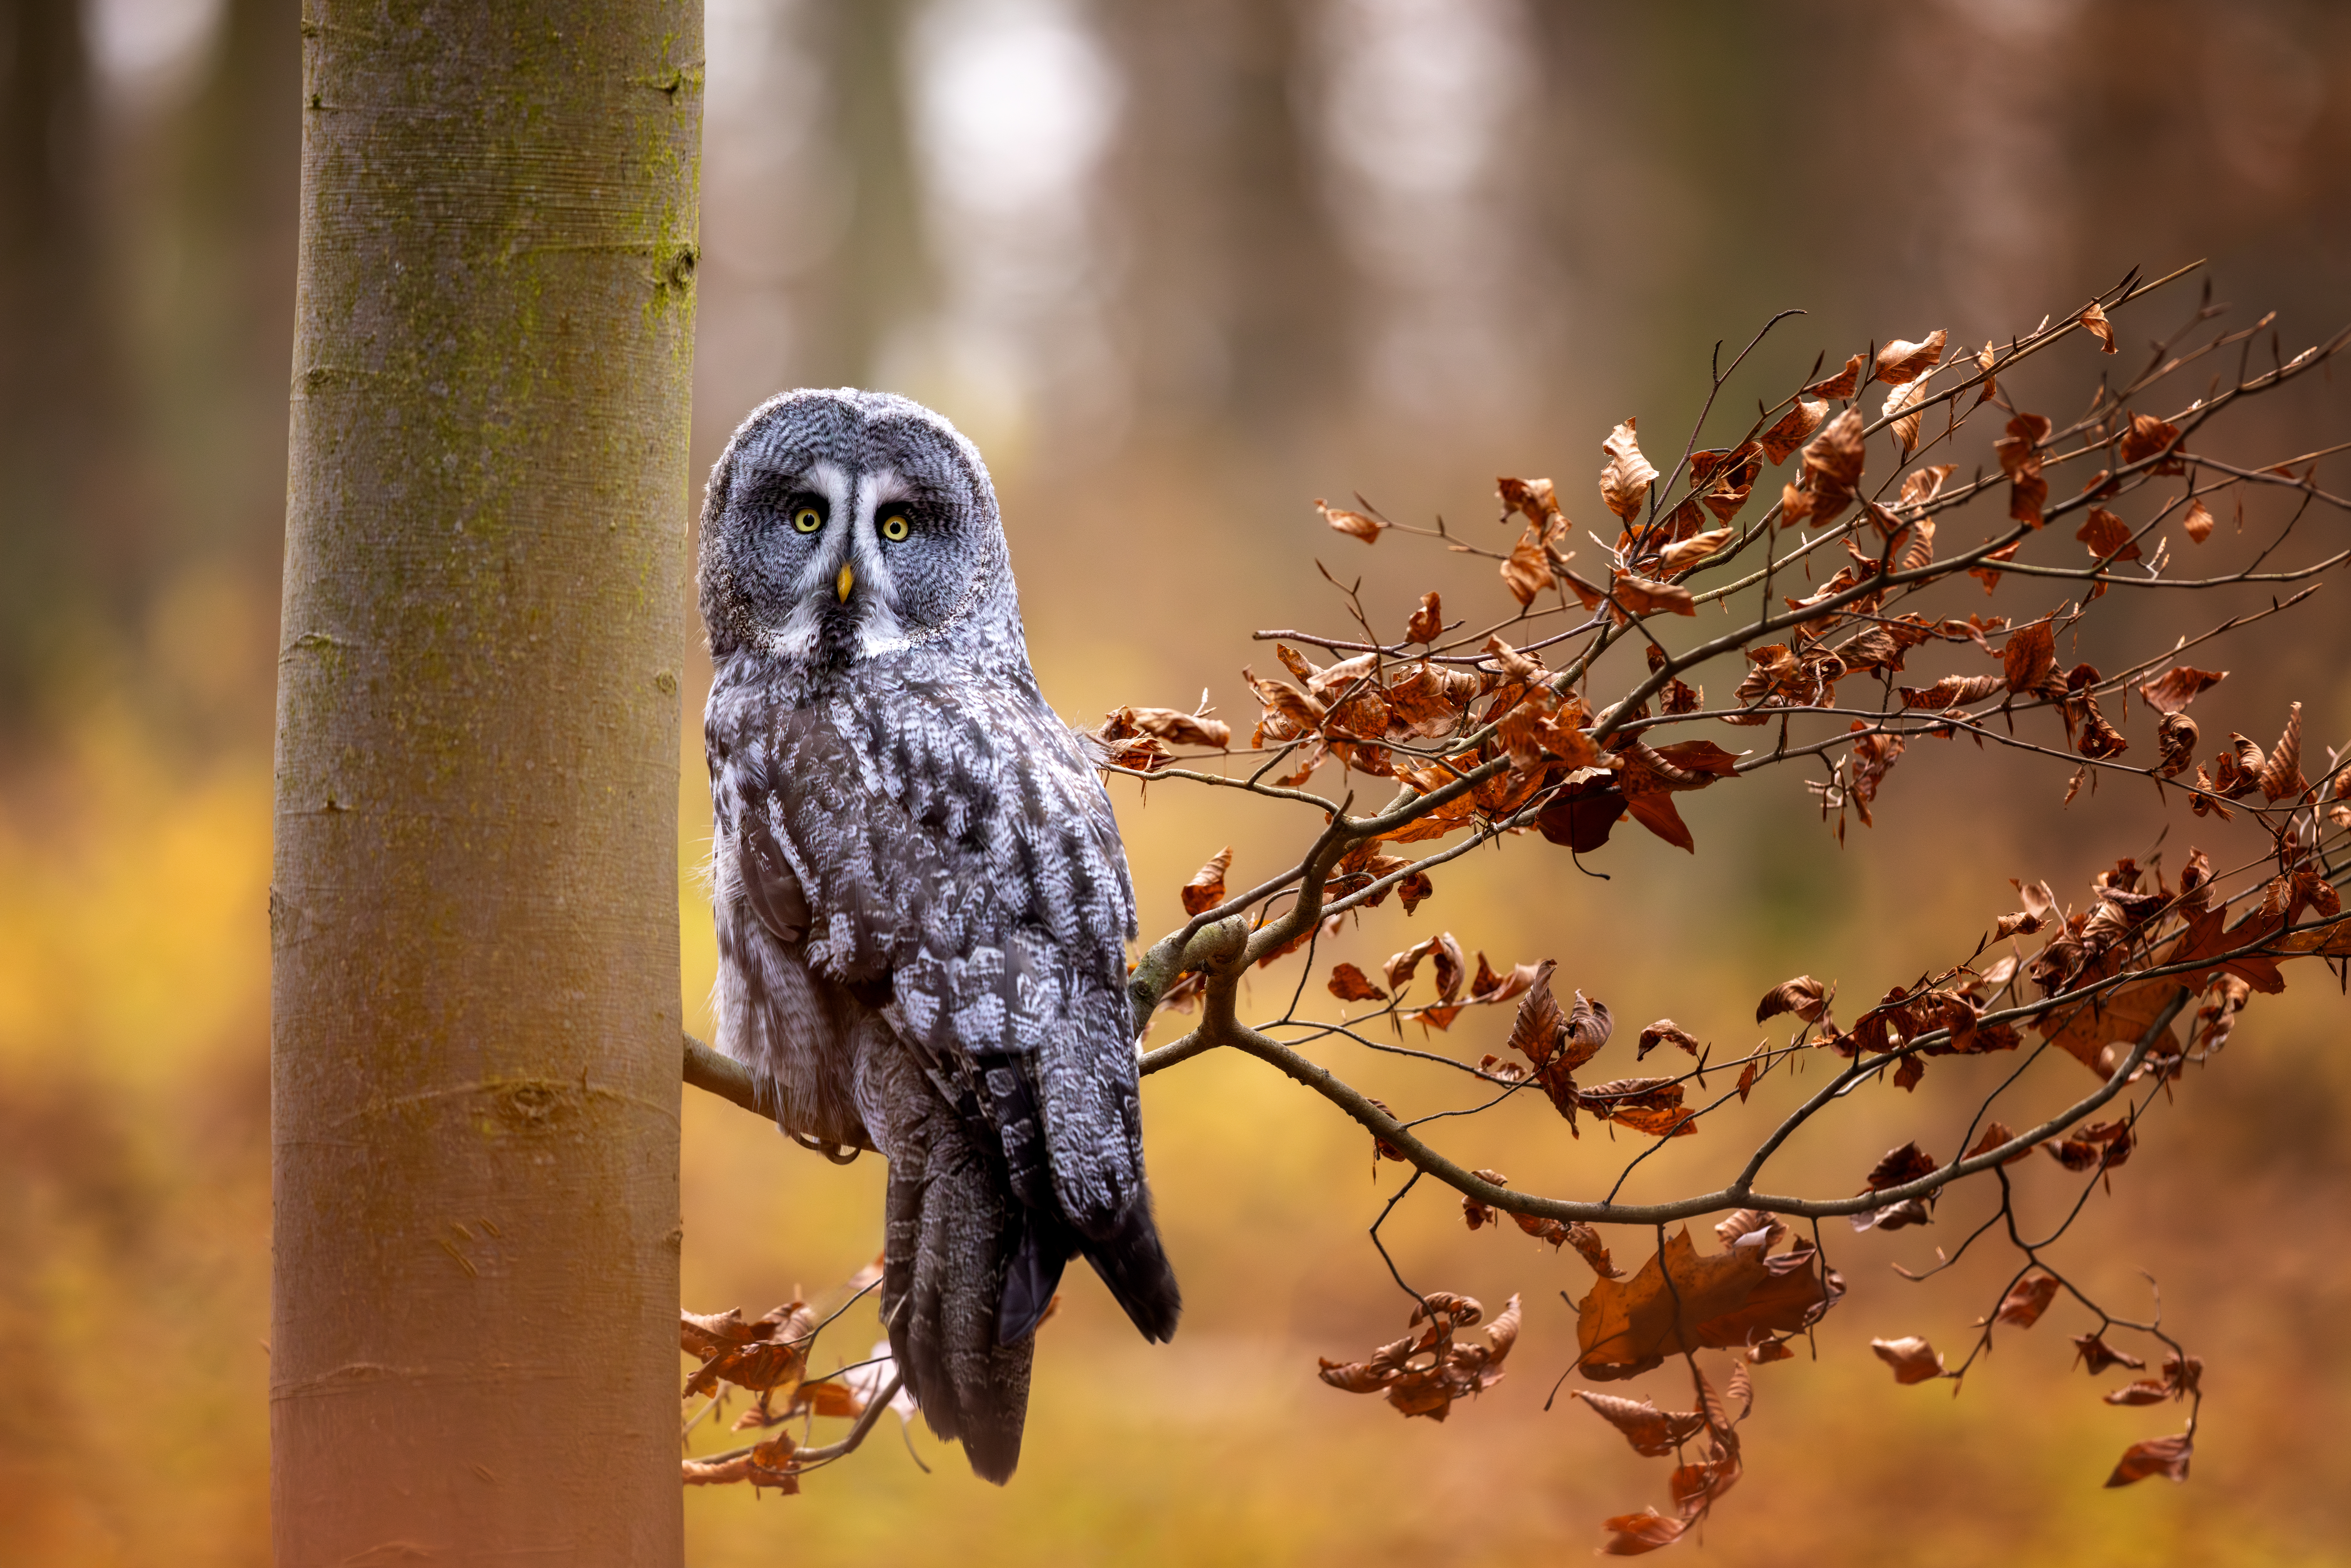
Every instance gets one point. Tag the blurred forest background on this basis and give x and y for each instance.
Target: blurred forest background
(1181, 266)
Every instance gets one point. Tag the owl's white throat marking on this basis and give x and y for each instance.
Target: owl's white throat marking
(875, 597)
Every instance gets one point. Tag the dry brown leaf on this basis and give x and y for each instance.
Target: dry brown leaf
(1952, 690)
(1631, 1534)
(2176, 742)
(1834, 463)
(1350, 984)
(2029, 658)
(1802, 996)
(1290, 713)
(1986, 570)
(1641, 596)
(1730, 479)
(1795, 428)
(1753, 1226)
(768, 1355)
(1427, 622)
(1724, 1301)
(2019, 459)
(1540, 1026)
(1900, 1166)
(2279, 775)
(1526, 571)
(1923, 485)
(2095, 319)
(770, 1464)
(1206, 888)
(2108, 536)
(2198, 522)
(1900, 361)
(1912, 1358)
(1476, 1215)
(1665, 1032)
(2096, 1355)
(1534, 499)
(1985, 358)
(1843, 385)
(1681, 557)
(1450, 971)
(1651, 1106)
(1624, 482)
(2027, 1299)
(1653, 1433)
(1355, 524)
(1899, 408)
(2173, 690)
(2145, 1391)
(2166, 1457)
(2147, 435)
(1590, 1248)
(1171, 725)
(2099, 739)
(1588, 1029)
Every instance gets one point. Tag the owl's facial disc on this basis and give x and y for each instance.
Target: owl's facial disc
(851, 526)
(845, 544)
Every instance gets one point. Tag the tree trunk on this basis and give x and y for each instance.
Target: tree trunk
(475, 1069)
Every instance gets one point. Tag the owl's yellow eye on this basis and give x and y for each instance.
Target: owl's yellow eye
(808, 519)
(894, 527)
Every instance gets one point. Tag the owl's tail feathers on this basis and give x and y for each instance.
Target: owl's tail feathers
(1043, 1250)
(1128, 1259)
(949, 1245)
(1134, 1266)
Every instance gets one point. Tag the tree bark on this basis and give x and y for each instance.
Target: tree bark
(474, 915)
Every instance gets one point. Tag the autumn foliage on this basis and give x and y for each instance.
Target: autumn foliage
(1897, 554)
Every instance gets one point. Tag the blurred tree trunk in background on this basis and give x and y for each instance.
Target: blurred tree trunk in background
(1236, 290)
(476, 1072)
(226, 304)
(67, 531)
(878, 277)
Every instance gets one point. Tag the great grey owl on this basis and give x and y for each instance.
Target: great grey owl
(920, 896)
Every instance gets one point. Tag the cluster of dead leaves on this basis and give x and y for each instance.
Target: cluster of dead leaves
(1929, 1017)
(1426, 1370)
(1586, 1240)
(1695, 1485)
(769, 1357)
(1834, 450)
(1786, 677)
(1914, 1360)
(2128, 926)
(1363, 711)
(2244, 767)
(1746, 1299)
(1360, 709)
(1139, 738)
(1555, 1043)
(1443, 951)
(1648, 555)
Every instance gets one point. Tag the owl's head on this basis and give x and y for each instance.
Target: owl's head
(846, 525)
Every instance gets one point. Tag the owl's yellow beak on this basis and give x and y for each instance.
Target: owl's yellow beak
(844, 582)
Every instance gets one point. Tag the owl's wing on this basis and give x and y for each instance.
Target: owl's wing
(951, 849)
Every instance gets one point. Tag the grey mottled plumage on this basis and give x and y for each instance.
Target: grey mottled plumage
(922, 902)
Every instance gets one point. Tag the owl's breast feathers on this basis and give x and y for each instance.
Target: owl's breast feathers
(942, 844)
